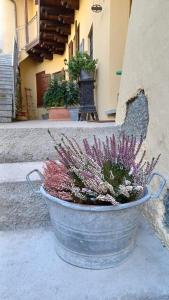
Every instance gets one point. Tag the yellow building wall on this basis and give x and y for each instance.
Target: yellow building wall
(109, 35)
(7, 26)
(146, 67)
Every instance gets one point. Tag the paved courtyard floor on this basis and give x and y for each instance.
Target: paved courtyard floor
(55, 124)
(31, 270)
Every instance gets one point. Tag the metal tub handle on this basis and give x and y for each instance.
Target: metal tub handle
(162, 182)
(35, 191)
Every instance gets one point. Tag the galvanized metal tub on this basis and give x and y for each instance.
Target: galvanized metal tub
(95, 237)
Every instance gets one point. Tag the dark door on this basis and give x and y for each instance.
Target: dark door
(42, 83)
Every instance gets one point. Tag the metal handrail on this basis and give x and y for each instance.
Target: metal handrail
(33, 32)
(15, 72)
(33, 29)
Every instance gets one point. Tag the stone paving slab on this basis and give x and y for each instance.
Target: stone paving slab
(31, 270)
(57, 124)
(16, 172)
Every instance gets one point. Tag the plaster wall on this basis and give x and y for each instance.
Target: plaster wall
(7, 26)
(109, 36)
(146, 66)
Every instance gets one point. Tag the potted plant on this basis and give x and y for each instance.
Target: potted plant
(55, 101)
(94, 195)
(81, 65)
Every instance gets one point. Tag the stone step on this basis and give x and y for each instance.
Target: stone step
(5, 120)
(5, 83)
(6, 113)
(19, 208)
(7, 73)
(32, 270)
(5, 56)
(30, 141)
(6, 101)
(7, 98)
(6, 69)
(6, 78)
(6, 66)
(5, 62)
(6, 87)
(5, 107)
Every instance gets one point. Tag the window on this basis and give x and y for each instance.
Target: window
(90, 38)
(70, 49)
(77, 37)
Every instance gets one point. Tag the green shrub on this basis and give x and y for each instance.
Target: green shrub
(81, 61)
(61, 94)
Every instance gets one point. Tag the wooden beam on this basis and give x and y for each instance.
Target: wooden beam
(54, 37)
(53, 43)
(36, 57)
(61, 18)
(52, 24)
(74, 4)
(57, 10)
(53, 30)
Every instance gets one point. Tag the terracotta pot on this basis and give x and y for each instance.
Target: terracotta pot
(21, 116)
(59, 113)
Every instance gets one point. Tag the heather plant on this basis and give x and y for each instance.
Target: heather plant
(107, 172)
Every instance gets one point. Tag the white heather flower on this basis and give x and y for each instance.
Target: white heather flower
(129, 188)
(123, 191)
(103, 188)
(107, 198)
(127, 182)
(111, 175)
(138, 188)
(131, 171)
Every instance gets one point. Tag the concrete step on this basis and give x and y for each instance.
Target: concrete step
(19, 208)
(30, 141)
(32, 270)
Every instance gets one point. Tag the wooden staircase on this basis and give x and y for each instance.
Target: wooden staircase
(6, 88)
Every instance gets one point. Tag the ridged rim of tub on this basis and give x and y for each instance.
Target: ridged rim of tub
(99, 208)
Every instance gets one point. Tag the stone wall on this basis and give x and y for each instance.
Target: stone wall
(146, 67)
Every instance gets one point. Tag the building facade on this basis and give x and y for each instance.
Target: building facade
(50, 31)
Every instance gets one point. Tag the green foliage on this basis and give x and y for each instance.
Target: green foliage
(81, 61)
(61, 93)
(116, 174)
(72, 93)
